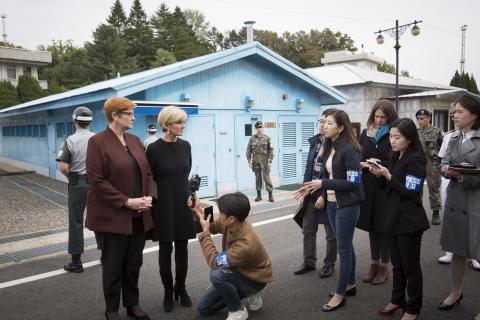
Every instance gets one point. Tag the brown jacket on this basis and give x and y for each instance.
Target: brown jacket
(244, 249)
(111, 180)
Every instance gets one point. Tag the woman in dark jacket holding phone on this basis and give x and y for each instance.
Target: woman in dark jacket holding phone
(376, 148)
(342, 189)
(405, 219)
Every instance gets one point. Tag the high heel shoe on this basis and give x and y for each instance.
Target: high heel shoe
(389, 312)
(444, 307)
(168, 300)
(184, 297)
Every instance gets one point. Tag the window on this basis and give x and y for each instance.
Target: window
(43, 130)
(441, 119)
(27, 70)
(11, 71)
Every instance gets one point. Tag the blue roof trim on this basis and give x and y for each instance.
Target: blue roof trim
(154, 111)
(133, 83)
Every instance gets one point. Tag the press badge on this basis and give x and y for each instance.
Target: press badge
(222, 260)
(353, 176)
(413, 183)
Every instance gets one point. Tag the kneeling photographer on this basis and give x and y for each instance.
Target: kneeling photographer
(242, 268)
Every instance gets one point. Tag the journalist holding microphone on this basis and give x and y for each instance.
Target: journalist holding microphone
(118, 206)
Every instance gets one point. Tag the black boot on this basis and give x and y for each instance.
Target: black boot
(259, 196)
(436, 218)
(179, 288)
(167, 280)
(75, 265)
(270, 196)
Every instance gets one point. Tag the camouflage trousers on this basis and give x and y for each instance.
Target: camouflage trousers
(434, 182)
(262, 169)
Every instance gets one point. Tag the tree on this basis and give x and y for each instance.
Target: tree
(464, 81)
(54, 87)
(28, 88)
(163, 57)
(473, 85)
(8, 95)
(386, 67)
(117, 17)
(138, 36)
(106, 52)
(198, 22)
(174, 34)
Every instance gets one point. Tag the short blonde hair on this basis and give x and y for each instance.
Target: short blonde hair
(169, 115)
(116, 104)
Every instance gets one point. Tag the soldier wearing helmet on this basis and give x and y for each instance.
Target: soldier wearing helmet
(152, 136)
(72, 156)
(259, 157)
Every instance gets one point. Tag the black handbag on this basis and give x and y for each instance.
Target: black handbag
(298, 216)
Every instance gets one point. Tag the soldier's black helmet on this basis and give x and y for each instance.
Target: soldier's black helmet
(152, 128)
(423, 112)
(259, 124)
(82, 114)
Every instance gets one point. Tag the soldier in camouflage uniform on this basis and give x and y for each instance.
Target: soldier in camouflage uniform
(431, 138)
(259, 157)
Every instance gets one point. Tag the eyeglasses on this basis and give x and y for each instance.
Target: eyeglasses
(421, 118)
(127, 113)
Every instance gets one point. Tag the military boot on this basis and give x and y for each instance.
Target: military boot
(435, 217)
(259, 196)
(270, 196)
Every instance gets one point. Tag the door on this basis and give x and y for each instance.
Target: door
(200, 132)
(293, 146)
(244, 129)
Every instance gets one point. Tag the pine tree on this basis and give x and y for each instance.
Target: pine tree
(117, 17)
(138, 36)
(106, 52)
(473, 85)
(28, 88)
(455, 79)
(8, 95)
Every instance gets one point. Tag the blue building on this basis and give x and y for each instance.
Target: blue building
(223, 93)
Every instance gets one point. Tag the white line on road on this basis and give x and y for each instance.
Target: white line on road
(49, 274)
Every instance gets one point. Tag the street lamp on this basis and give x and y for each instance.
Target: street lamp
(396, 32)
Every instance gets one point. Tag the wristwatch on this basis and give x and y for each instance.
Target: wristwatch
(129, 203)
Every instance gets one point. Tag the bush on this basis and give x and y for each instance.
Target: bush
(8, 95)
(28, 88)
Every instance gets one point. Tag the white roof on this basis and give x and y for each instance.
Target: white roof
(346, 74)
(432, 93)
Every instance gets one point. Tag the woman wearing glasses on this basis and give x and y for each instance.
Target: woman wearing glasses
(118, 206)
(170, 159)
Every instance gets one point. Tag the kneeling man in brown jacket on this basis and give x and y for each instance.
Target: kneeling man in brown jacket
(242, 268)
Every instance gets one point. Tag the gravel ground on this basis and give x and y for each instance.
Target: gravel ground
(56, 185)
(24, 212)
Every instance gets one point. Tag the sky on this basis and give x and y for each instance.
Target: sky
(434, 55)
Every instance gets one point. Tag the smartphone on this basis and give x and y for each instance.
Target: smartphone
(374, 164)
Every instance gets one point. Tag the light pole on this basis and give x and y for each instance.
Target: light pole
(396, 32)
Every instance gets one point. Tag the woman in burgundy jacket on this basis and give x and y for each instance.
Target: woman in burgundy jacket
(118, 206)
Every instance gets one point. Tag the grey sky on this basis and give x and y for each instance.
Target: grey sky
(434, 55)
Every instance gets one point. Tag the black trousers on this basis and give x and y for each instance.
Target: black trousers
(121, 261)
(181, 263)
(407, 272)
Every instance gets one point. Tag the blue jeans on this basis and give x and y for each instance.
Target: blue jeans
(343, 222)
(226, 291)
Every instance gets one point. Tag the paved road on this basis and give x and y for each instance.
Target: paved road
(79, 296)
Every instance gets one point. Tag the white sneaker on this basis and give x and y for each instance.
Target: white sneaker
(241, 314)
(253, 302)
(476, 264)
(446, 259)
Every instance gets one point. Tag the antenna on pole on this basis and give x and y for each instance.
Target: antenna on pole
(4, 34)
(462, 59)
